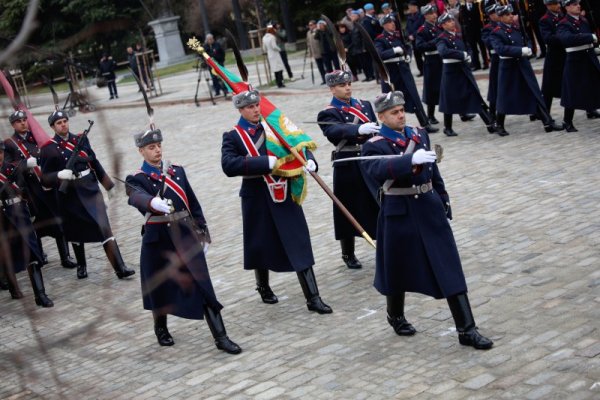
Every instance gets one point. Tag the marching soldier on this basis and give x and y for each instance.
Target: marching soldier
(459, 93)
(416, 251)
(414, 21)
(518, 90)
(581, 65)
(555, 53)
(470, 15)
(276, 236)
(22, 147)
(19, 248)
(395, 55)
(350, 123)
(490, 10)
(174, 229)
(426, 38)
(81, 205)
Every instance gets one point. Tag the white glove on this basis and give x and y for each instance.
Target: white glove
(468, 59)
(66, 175)
(160, 205)
(398, 50)
(370, 128)
(310, 166)
(407, 59)
(465, 54)
(595, 38)
(526, 51)
(423, 156)
(272, 161)
(32, 162)
(597, 51)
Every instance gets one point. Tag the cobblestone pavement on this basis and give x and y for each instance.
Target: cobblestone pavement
(526, 220)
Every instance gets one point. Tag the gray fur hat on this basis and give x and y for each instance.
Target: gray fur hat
(246, 98)
(388, 100)
(337, 77)
(145, 138)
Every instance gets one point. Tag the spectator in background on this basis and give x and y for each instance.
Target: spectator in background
(347, 20)
(414, 20)
(145, 63)
(215, 50)
(269, 45)
(347, 40)
(327, 45)
(281, 35)
(315, 48)
(370, 22)
(107, 69)
(132, 59)
(358, 52)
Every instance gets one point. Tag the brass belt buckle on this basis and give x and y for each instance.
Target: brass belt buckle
(424, 188)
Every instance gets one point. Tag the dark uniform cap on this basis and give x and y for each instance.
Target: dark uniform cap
(428, 8)
(444, 17)
(246, 98)
(56, 115)
(490, 9)
(388, 100)
(145, 138)
(569, 2)
(337, 78)
(17, 115)
(551, 1)
(503, 10)
(387, 18)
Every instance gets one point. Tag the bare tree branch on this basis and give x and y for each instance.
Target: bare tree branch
(29, 25)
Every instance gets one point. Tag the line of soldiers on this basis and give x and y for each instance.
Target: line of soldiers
(42, 197)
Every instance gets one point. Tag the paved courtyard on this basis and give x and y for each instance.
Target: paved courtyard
(526, 220)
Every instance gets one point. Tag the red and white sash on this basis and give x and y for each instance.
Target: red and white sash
(277, 188)
(171, 184)
(4, 180)
(356, 112)
(23, 150)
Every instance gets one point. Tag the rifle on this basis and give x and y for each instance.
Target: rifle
(64, 185)
(522, 23)
(591, 16)
(399, 28)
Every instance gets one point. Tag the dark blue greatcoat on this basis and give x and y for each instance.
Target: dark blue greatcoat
(82, 208)
(348, 182)
(185, 295)
(42, 202)
(459, 93)
(425, 40)
(494, 62)
(518, 89)
(581, 78)
(400, 75)
(276, 235)
(416, 251)
(554, 63)
(371, 25)
(15, 223)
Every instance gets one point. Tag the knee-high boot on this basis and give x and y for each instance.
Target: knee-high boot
(263, 288)
(448, 131)
(431, 114)
(13, 285)
(549, 124)
(63, 251)
(465, 323)
(569, 113)
(114, 256)
(41, 246)
(160, 330)
(37, 283)
(79, 250)
(308, 282)
(395, 315)
(500, 118)
(217, 328)
(348, 253)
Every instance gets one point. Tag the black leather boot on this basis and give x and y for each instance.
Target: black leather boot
(308, 282)
(395, 316)
(13, 285)
(44, 255)
(424, 121)
(569, 113)
(37, 283)
(549, 124)
(448, 131)
(63, 251)
(163, 336)
(217, 328)
(114, 256)
(465, 323)
(348, 253)
(431, 114)
(500, 118)
(79, 250)
(592, 114)
(467, 117)
(263, 288)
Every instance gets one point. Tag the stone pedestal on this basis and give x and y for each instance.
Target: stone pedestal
(168, 41)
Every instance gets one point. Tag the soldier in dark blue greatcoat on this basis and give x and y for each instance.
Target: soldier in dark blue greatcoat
(22, 147)
(581, 76)
(175, 278)
(19, 248)
(276, 235)
(395, 56)
(554, 62)
(349, 122)
(81, 206)
(426, 37)
(487, 29)
(518, 90)
(416, 251)
(459, 93)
